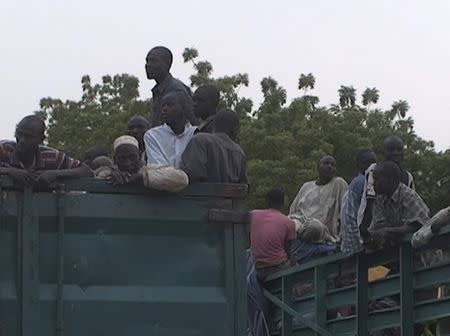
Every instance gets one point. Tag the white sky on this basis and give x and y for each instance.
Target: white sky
(402, 47)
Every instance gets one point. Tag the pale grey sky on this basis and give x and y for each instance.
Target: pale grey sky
(401, 47)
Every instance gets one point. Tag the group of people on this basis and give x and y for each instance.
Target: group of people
(188, 140)
(377, 210)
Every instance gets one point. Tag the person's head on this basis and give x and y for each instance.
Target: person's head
(137, 126)
(93, 152)
(393, 149)
(126, 154)
(158, 63)
(173, 108)
(326, 169)
(206, 99)
(364, 158)
(101, 161)
(30, 133)
(275, 198)
(386, 178)
(227, 121)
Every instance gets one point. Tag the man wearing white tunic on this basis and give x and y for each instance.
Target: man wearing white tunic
(316, 208)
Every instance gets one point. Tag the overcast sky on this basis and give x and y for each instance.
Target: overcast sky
(402, 47)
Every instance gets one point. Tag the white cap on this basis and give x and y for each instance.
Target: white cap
(126, 140)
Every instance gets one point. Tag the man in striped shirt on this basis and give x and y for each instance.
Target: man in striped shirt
(28, 162)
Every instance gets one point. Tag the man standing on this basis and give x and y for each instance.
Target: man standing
(157, 66)
(206, 99)
(137, 126)
(350, 236)
(215, 157)
(315, 210)
(398, 210)
(166, 143)
(27, 162)
(270, 234)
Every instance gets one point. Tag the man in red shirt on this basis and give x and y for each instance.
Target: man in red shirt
(270, 234)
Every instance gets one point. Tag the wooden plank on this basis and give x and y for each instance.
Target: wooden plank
(362, 295)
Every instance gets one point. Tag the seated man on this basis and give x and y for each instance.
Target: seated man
(215, 157)
(166, 143)
(393, 150)
(28, 162)
(351, 241)
(130, 168)
(315, 209)
(137, 126)
(398, 210)
(270, 235)
(206, 99)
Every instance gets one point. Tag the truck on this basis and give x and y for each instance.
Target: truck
(91, 259)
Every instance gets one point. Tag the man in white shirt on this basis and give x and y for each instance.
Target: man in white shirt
(166, 143)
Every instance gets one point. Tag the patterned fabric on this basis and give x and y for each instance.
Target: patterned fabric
(47, 158)
(402, 208)
(369, 190)
(351, 242)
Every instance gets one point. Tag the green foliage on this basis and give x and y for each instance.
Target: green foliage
(283, 140)
(98, 118)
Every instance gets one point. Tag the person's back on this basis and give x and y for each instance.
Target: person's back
(269, 230)
(270, 233)
(214, 158)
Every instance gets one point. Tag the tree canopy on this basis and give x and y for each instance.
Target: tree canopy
(283, 140)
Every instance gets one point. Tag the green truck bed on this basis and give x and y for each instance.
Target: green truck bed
(95, 260)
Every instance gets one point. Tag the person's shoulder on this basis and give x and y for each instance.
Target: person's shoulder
(340, 181)
(8, 144)
(176, 84)
(47, 151)
(155, 131)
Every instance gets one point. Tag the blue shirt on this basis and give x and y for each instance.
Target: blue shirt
(351, 242)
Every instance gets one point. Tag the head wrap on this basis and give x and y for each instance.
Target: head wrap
(126, 140)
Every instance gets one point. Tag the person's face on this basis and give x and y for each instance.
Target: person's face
(155, 66)
(202, 104)
(366, 160)
(380, 183)
(171, 109)
(393, 151)
(127, 158)
(137, 128)
(28, 138)
(327, 168)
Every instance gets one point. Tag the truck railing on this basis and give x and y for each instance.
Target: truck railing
(307, 297)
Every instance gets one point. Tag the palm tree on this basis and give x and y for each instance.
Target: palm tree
(370, 96)
(306, 82)
(400, 107)
(347, 96)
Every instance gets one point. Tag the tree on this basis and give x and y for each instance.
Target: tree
(282, 141)
(370, 96)
(347, 96)
(98, 118)
(306, 82)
